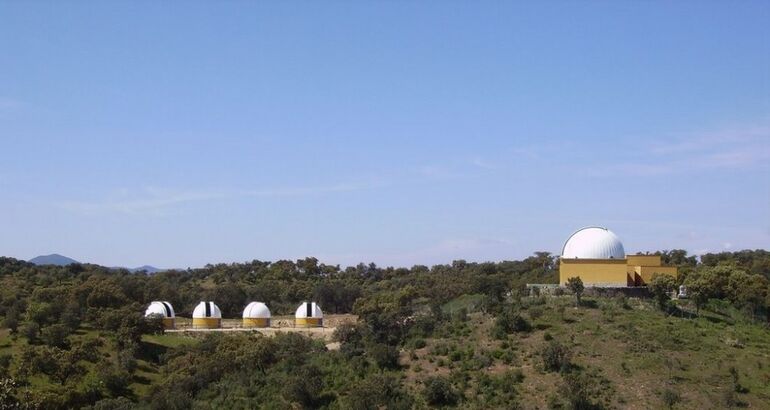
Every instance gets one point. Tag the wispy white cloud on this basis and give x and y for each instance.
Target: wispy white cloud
(738, 147)
(9, 104)
(156, 201)
(484, 164)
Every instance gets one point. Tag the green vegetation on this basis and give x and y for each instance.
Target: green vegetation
(465, 335)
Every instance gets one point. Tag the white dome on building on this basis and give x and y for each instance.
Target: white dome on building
(256, 310)
(207, 309)
(164, 309)
(593, 243)
(309, 310)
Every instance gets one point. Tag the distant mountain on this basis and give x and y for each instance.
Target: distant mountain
(147, 268)
(150, 270)
(53, 259)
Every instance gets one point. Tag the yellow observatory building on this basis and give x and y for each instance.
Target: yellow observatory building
(597, 257)
(207, 316)
(256, 314)
(308, 314)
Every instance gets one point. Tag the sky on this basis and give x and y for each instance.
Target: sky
(178, 134)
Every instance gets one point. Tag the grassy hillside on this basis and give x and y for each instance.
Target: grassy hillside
(634, 356)
(623, 353)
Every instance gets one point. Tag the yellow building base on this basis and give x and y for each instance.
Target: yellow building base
(206, 323)
(598, 272)
(308, 322)
(256, 322)
(168, 322)
(635, 270)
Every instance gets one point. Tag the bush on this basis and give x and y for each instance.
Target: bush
(510, 321)
(661, 287)
(5, 362)
(419, 343)
(378, 391)
(556, 356)
(575, 285)
(671, 398)
(55, 335)
(386, 357)
(305, 387)
(577, 391)
(30, 331)
(438, 391)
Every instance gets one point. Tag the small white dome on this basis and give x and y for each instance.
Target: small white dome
(207, 309)
(256, 310)
(593, 243)
(309, 309)
(163, 309)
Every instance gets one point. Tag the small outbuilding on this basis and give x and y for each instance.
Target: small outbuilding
(308, 314)
(163, 310)
(207, 316)
(256, 314)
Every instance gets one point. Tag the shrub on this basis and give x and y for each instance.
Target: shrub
(5, 362)
(575, 285)
(30, 331)
(55, 335)
(577, 391)
(378, 391)
(535, 312)
(305, 387)
(438, 391)
(419, 343)
(661, 287)
(510, 321)
(556, 356)
(670, 398)
(386, 357)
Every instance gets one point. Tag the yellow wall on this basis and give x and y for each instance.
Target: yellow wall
(594, 271)
(646, 272)
(635, 270)
(308, 322)
(206, 323)
(643, 260)
(168, 322)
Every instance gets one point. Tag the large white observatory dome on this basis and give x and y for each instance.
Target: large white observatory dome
(593, 243)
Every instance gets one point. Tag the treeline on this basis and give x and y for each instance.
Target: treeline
(63, 316)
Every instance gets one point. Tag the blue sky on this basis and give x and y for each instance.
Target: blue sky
(180, 134)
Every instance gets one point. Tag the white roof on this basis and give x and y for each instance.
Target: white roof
(159, 308)
(309, 309)
(593, 243)
(256, 310)
(207, 309)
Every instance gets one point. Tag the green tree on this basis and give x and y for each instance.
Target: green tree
(661, 287)
(699, 289)
(575, 285)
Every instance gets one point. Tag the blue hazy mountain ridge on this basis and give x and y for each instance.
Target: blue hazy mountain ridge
(146, 268)
(52, 259)
(61, 260)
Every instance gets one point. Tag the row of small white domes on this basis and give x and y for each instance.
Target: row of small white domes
(254, 310)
